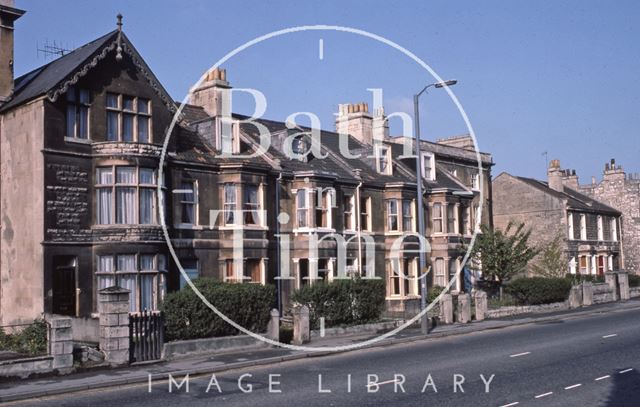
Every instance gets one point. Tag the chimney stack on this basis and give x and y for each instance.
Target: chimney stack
(213, 94)
(554, 176)
(356, 120)
(8, 15)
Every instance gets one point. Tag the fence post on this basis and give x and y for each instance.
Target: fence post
(113, 306)
(575, 297)
(611, 280)
(464, 308)
(481, 305)
(623, 285)
(301, 332)
(587, 294)
(273, 328)
(61, 343)
(446, 309)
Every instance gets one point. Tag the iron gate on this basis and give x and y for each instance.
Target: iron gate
(146, 336)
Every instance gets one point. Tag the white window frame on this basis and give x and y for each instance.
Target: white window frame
(428, 171)
(571, 232)
(614, 229)
(81, 109)
(365, 211)
(600, 229)
(194, 202)
(349, 212)
(583, 226)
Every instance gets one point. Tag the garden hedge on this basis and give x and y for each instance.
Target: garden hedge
(32, 340)
(343, 302)
(539, 290)
(187, 317)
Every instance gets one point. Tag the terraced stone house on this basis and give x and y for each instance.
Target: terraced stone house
(83, 191)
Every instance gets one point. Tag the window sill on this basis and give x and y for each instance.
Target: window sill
(242, 227)
(188, 226)
(77, 140)
(313, 230)
(126, 226)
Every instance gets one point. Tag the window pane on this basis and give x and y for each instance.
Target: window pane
(106, 280)
(146, 291)
(146, 262)
(84, 96)
(143, 105)
(127, 103)
(126, 262)
(147, 205)
(407, 223)
(104, 206)
(127, 127)
(126, 198)
(83, 128)
(251, 215)
(105, 263)
(71, 121)
(129, 282)
(112, 126)
(105, 176)
(143, 129)
(147, 176)
(112, 100)
(229, 203)
(126, 175)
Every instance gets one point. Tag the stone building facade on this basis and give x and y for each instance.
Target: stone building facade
(83, 195)
(621, 191)
(590, 229)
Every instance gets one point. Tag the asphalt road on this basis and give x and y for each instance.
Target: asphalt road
(585, 361)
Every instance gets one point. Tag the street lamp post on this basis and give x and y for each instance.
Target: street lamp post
(424, 321)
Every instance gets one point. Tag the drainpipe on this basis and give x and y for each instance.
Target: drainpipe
(278, 268)
(359, 226)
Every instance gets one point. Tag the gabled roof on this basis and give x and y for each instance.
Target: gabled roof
(575, 200)
(55, 77)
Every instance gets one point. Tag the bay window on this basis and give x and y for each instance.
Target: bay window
(229, 206)
(302, 208)
(436, 218)
(392, 215)
(251, 205)
(440, 277)
(349, 212)
(365, 211)
(142, 274)
(126, 195)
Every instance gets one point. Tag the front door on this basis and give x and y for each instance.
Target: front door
(64, 285)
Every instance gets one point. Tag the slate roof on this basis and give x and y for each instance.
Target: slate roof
(41, 80)
(575, 199)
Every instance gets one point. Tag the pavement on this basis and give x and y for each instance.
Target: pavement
(466, 348)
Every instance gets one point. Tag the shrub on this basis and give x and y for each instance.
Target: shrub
(634, 280)
(32, 340)
(539, 290)
(433, 293)
(187, 317)
(343, 302)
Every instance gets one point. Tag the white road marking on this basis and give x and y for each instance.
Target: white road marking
(625, 371)
(322, 327)
(515, 403)
(573, 386)
(602, 378)
(609, 336)
(543, 395)
(519, 354)
(321, 49)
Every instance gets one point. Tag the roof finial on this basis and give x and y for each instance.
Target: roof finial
(119, 48)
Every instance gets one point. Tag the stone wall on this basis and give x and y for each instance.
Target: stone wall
(527, 309)
(602, 293)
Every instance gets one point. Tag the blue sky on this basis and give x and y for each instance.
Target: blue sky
(561, 77)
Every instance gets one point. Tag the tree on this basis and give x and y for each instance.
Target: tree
(503, 255)
(552, 261)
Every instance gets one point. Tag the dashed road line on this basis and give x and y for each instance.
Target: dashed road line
(573, 386)
(602, 378)
(519, 354)
(609, 336)
(625, 371)
(515, 403)
(539, 396)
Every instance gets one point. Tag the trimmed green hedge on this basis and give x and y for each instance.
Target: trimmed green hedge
(187, 317)
(433, 293)
(343, 302)
(32, 340)
(539, 290)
